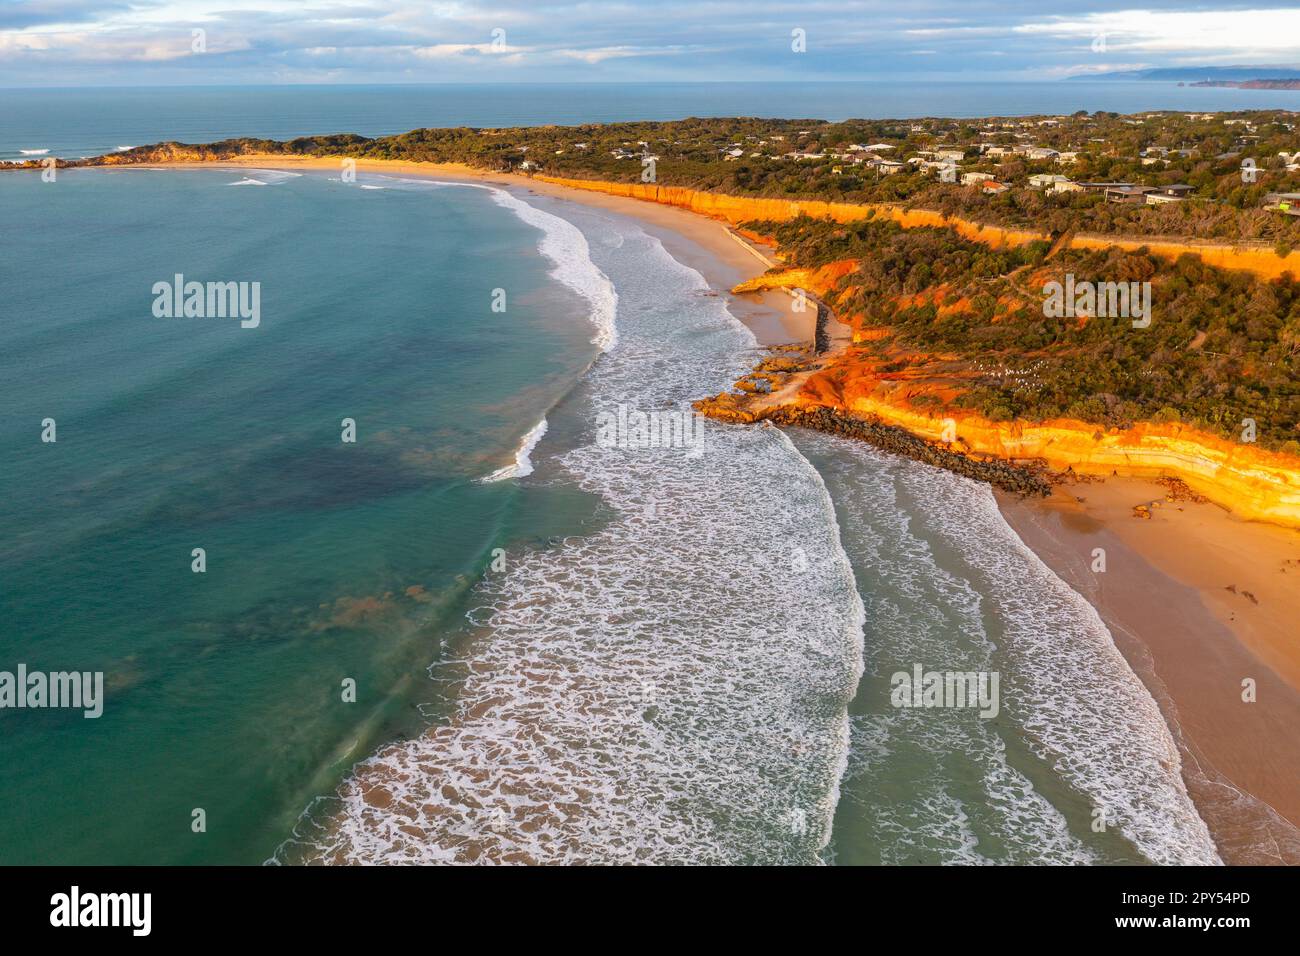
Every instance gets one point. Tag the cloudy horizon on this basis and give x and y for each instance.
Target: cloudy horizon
(205, 42)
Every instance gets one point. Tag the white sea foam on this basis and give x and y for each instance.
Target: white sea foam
(523, 464)
(267, 177)
(916, 605)
(672, 688)
(33, 152)
(566, 247)
(1085, 709)
(123, 149)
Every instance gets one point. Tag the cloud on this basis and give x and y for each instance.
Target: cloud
(1204, 34)
(600, 54)
(253, 41)
(1086, 69)
(21, 14)
(444, 51)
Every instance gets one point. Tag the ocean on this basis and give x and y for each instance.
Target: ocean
(498, 626)
(73, 123)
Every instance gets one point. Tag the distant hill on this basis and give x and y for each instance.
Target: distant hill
(1193, 74)
(1292, 84)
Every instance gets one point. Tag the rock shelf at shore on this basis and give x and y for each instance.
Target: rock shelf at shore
(1022, 479)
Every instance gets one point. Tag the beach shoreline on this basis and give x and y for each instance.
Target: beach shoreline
(1198, 602)
(707, 246)
(1195, 598)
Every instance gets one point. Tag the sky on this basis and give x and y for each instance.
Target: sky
(146, 42)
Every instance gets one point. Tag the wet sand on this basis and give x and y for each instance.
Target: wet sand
(1176, 594)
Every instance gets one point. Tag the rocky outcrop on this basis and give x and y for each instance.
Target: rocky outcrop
(1022, 478)
(165, 153)
(1251, 482)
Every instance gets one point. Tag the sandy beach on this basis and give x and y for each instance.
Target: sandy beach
(1197, 600)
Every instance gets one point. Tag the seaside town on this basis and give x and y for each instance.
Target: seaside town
(1233, 176)
(1243, 161)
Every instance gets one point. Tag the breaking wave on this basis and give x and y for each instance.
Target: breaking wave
(671, 689)
(1067, 691)
(523, 464)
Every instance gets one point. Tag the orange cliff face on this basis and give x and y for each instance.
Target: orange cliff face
(1259, 261)
(1253, 483)
(821, 281)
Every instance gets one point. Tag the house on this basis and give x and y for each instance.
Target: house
(951, 155)
(1128, 195)
(1288, 203)
(1067, 157)
(928, 165)
(970, 179)
(887, 167)
(1100, 187)
(1040, 152)
(1064, 185)
(1046, 180)
(1164, 194)
(991, 188)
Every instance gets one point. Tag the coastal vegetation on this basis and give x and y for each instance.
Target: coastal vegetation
(966, 323)
(1226, 166)
(963, 321)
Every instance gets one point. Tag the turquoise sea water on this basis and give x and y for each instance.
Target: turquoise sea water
(608, 654)
(172, 434)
